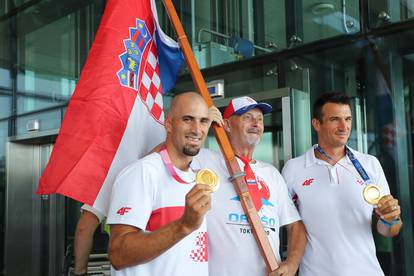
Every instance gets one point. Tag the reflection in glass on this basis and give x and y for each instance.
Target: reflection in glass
(3, 140)
(47, 121)
(382, 13)
(228, 31)
(47, 74)
(254, 79)
(329, 18)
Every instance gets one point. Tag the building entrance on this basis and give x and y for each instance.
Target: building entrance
(39, 230)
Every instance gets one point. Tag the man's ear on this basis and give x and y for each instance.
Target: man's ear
(316, 124)
(168, 124)
(226, 125)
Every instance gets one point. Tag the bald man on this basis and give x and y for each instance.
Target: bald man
(157, 211)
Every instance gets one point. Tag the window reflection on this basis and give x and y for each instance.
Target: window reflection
(382, 13)
(228, 31)
(329, 18)
(47, 65)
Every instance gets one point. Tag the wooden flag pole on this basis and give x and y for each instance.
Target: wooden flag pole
(231, 161)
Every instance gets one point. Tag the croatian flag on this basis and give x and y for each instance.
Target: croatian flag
(115, 115)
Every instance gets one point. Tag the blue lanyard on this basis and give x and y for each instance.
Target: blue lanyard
(353, 159)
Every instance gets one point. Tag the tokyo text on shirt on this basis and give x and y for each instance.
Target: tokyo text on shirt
(232, 247)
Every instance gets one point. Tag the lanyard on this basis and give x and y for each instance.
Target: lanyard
(170, 167)
(351, 157)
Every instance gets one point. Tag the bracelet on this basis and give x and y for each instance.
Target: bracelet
(389, 224)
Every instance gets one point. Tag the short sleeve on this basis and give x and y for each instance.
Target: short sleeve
(287, 211)
(132, 197)
(287, 176)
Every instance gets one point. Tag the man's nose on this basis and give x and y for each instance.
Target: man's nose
(255, 121)
(343, 124)
(196, 127)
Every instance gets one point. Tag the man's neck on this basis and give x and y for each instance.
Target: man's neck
(336, 153)
(178, 159)
(245, 152)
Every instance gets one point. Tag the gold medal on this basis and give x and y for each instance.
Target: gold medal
(208, 177)
(372, 194)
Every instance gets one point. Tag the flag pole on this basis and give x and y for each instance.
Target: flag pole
(232, 164)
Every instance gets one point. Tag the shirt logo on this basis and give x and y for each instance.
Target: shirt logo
(122, 211)
(308, 182)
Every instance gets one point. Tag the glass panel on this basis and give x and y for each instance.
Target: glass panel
(15, 3)
(300, 122)
(47, 60)
(238, 82)
(388, 11)
(318, 20)
(5, 104)
(3, 139)
(228, 31)
(6, 50)
(2, 8)
(47, 121)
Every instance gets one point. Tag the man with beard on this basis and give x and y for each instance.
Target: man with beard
(157, 211)
(329, 183)
(232, 247)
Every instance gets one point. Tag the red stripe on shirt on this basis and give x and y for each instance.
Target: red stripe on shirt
(163, 216)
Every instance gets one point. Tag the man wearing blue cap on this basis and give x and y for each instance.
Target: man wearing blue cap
(232, 247)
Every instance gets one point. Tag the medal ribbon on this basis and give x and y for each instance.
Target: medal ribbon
(353, 159)
(357, 165)
(170, 167)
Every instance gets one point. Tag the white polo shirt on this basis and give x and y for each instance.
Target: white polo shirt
(232, 247)
(337, 219)
(146, 196)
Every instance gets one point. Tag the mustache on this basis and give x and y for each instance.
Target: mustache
(193, 135)
(253, 130)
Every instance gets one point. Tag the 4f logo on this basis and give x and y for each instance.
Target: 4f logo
(308, 182)
(123, 211)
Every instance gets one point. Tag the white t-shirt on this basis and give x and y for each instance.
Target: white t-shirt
(336, 217)
(146, 196)
(232, 247)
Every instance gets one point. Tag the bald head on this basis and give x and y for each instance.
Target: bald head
(184, 100)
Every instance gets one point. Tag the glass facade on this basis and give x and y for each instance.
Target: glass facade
(229, 31)
(43, 46)
(257, 47)
(387, 11)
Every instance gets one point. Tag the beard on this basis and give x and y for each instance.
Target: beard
(190, 151)
(253, 141)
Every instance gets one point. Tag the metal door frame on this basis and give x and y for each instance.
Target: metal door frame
(36, 234)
